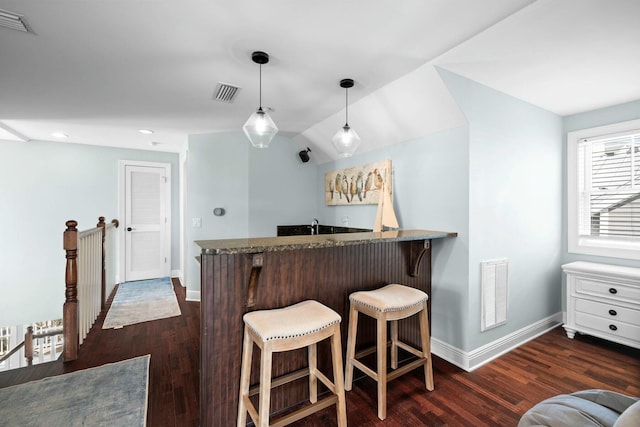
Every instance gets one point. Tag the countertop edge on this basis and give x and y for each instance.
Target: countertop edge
(286, 243)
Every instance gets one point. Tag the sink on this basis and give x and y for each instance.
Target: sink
(301, 230)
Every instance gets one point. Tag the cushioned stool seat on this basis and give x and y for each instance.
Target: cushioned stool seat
(297, 326)
(388, 304)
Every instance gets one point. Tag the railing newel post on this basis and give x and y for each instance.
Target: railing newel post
(70, 308)
(28, 345)
(103, 267)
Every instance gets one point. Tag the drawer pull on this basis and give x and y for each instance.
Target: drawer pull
(613, 312)
(613, 327)
(613, 291)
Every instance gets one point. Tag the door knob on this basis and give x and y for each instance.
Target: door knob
(129, 228)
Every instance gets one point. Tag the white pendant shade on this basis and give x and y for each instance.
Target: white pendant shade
(260, 129)
(346, 141)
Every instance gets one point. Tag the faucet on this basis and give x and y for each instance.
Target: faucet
(315, 228)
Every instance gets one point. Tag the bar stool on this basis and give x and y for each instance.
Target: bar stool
(297, 326)
(390, 303)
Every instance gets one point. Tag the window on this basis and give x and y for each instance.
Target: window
(604, 190)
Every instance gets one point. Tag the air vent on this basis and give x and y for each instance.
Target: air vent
(14, 21)
(225, 92)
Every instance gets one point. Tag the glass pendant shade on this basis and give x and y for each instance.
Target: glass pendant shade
(346, 141)
(260, 129)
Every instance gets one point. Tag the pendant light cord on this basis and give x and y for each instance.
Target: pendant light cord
(260, 96)
(346, 106)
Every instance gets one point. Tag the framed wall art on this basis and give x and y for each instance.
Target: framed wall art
(358, 185)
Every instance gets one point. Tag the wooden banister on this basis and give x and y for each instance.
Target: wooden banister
(70, 308)
(12, 352)
(77, 320)
(103, 286)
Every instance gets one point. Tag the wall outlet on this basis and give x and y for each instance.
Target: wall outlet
(345, 221)
(196, 222)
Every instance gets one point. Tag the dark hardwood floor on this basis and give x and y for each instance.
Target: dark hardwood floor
(496, 394)
(174, 345)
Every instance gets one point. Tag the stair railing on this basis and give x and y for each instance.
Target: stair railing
(33, 340)
(86, 275)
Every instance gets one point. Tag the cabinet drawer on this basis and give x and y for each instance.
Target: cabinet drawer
(609, 311)
(623, 330)
(608, 289)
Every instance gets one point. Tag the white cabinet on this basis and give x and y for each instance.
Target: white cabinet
(603, 301)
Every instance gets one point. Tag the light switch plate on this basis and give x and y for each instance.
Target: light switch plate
(196, 222)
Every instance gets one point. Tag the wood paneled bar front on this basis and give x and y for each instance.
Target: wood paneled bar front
(241, 275)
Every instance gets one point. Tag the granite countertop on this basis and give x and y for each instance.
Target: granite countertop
(285, 243)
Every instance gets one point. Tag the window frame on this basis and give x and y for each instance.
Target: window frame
(586, 245)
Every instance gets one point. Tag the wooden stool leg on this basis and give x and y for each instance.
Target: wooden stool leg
(245, 374)
(313, 366)
(265, 387)
(338, 380)
(351, 347)
(426, 347)
(382, 367)
(394, 344)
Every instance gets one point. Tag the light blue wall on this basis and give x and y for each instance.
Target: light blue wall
(515, 196)
(258, 188)
(601, 117)
(491, 181)
(430, 191)
(42, 185)
(282, 189)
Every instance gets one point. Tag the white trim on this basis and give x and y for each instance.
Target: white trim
(472, 360)
(586, 245)
(121, 208)
(193, 295)
(184, 231)
(178, 275)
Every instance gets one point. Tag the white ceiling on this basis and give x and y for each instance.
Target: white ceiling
(100, 70)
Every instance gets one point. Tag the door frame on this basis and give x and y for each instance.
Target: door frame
(122, 164)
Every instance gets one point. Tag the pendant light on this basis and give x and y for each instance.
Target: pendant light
(259, 128)
(346, 140)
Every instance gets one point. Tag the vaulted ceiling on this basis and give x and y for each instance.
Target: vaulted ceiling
(99, 71)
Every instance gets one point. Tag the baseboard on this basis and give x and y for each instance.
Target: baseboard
(193, 295)
(178, 274)
(478, 357)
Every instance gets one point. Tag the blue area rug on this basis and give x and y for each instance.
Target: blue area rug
(142, 301)
(110, 395)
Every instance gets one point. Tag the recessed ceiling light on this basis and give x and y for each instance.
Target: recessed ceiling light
(146, 131)
(59, 135)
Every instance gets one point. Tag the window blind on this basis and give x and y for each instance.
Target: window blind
(609, 183)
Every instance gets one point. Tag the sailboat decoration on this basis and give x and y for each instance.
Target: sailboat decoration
(385, 216)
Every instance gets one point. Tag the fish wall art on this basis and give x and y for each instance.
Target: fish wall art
(358, 185)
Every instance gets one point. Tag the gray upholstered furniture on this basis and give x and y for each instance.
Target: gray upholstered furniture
(586, 408)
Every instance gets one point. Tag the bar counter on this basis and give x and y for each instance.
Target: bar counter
(242, 275)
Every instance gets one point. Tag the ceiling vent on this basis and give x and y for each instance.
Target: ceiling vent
(225, 92)
(14, 21)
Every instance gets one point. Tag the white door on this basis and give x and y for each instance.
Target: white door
(147, 220)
